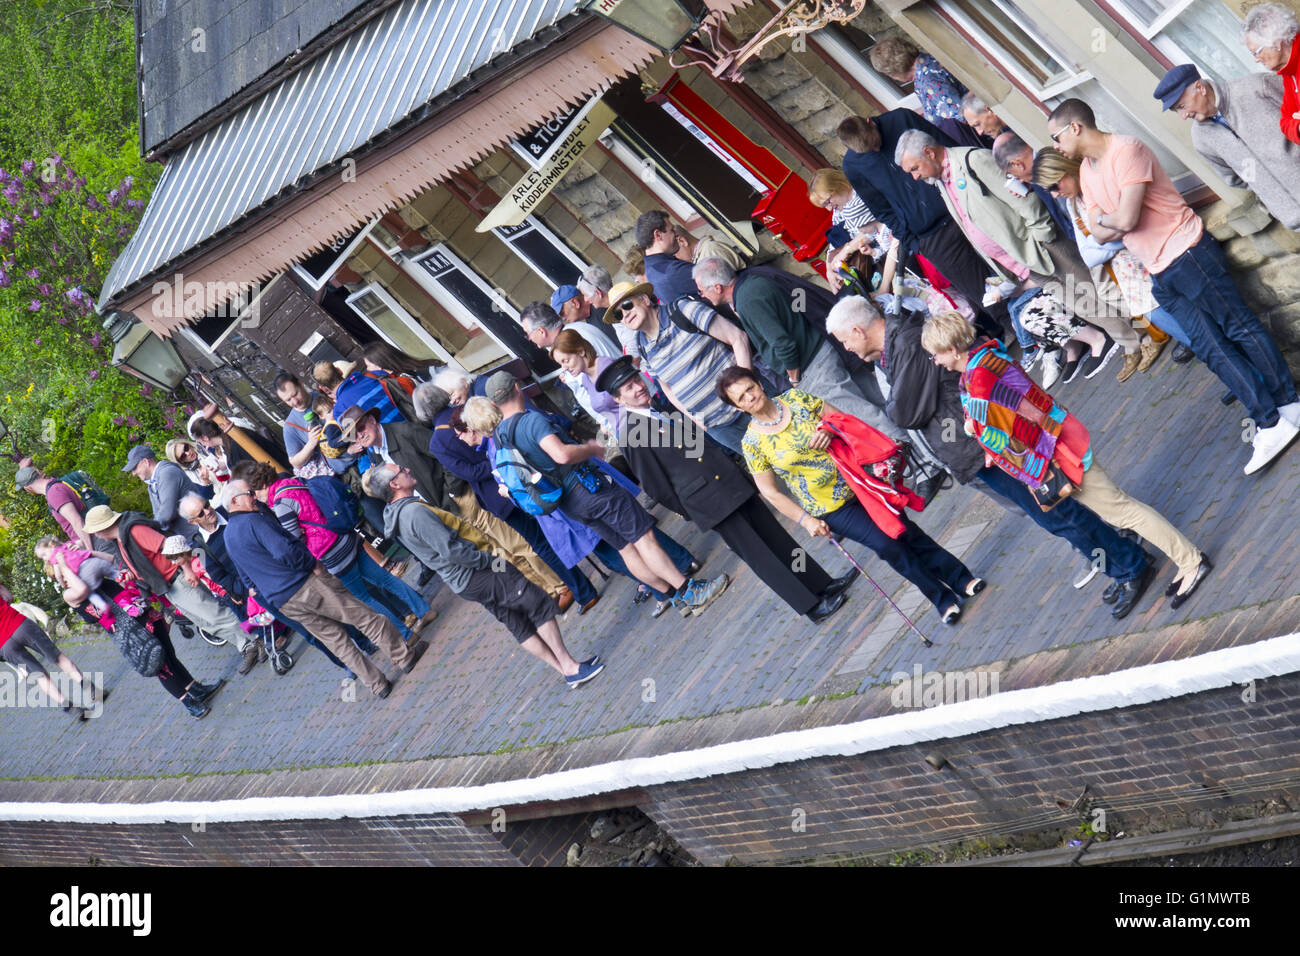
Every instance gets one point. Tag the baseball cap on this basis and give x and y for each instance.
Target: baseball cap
(499, 386)
(138, 454)
(25, 476)
(562, 295)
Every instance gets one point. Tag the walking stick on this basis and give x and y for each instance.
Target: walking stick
(924, 640)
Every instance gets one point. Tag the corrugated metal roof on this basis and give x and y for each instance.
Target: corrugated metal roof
(368, 83)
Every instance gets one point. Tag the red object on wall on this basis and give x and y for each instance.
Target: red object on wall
(789, 216)
(784, 208)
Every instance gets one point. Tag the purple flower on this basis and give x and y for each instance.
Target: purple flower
(36, 305)
(61, 319)
(28, 167)
(113, 196)
(45, 289)
(96, 340)
(5, 281)
(119, 420)
(33, 273)
(146, 389)
(94, 374)
(93, 204)
(12, 191)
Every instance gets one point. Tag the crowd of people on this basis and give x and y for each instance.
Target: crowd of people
(960, 261)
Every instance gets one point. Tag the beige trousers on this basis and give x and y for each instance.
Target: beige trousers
(1114, 505)
(323, 605)
(508, 544)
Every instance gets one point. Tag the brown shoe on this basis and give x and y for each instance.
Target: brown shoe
(410, 621)
(282, 642)
(1131, 362)
(417, 651)
(1151, 350)
(564, 600)
(425, 621)
(250, 657)
(589, 605)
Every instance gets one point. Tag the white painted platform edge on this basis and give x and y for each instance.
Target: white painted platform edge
(1139, 685)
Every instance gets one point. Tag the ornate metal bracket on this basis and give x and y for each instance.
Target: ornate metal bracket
(794, 19)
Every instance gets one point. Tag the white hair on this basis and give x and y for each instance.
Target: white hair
(187, 513)
(595, 279)
(234, 488)
(973, 102)
(912, 142)
(450, 379)
(713, 271)
(381, 478)
(1271, 24)
(855, 311)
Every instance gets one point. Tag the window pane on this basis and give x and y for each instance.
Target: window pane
(1014, 42)
(393, 327)
(1210, 35)
(550, 261)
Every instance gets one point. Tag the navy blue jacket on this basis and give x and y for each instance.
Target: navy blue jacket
(1062, 218)
(469, 464)
(671, 277)
(266, 556)
(909, 208)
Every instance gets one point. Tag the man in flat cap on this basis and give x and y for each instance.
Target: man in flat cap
(1234, 126)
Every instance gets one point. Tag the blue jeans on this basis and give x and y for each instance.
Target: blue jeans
(937, 573)
(1165, 321)
(364, 573)
(1124, 558)
(1224, 333)
(680, 557)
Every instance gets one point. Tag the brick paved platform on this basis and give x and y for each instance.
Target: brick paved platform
(476, 709)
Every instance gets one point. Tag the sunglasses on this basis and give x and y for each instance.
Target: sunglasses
(1056, 137)
(626, 306)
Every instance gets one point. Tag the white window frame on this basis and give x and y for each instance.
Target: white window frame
(411, 265)
(995, 50)
(412, 324)
(1151, 32)
(346, 253)
(536, 225)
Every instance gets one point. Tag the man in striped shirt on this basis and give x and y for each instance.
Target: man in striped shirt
(686, 363)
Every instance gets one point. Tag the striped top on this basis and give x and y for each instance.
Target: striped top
(689, 364)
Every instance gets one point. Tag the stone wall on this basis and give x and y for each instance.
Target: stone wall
(1190, 761)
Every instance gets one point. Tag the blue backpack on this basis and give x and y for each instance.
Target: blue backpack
(337, 502)
(529, 489)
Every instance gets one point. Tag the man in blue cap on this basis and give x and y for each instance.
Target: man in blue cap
(167, 484)
(572, 306)
(1234, 127)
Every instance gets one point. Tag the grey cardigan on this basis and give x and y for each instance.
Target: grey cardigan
(1253, 154)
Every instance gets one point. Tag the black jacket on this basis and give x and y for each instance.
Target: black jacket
(408, 445)
(927, 398)
(909, 208)
(133, 556)
(705, 489)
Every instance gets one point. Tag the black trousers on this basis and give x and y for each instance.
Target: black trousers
(754, 533)
(951, 253)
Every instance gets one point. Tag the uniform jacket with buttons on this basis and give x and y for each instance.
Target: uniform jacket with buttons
(705, 489)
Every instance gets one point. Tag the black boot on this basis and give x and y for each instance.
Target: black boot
(202, 692)
(196, 707)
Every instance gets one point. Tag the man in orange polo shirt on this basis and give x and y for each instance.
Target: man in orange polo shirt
(1128, 195)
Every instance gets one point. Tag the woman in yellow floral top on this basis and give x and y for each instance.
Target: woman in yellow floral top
(783, 442)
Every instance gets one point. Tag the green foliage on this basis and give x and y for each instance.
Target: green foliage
(72, 188)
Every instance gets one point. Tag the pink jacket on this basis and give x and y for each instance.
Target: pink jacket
(319, 538)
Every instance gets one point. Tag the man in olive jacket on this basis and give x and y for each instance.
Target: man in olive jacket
(975, 192)
(677, 466)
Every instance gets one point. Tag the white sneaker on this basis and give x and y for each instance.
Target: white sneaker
(1051, 368)
(1290, 412)
(1269, 443)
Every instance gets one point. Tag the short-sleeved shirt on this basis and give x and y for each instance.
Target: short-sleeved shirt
(528, 435)
(57, 494)
(151, 542)
(1167, 227)
(811, 475)
(690, 364)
